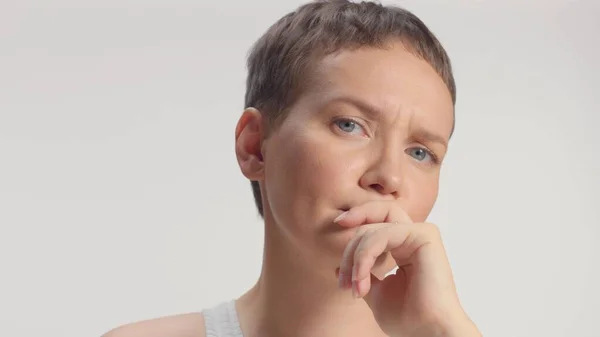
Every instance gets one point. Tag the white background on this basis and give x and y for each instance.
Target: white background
(121, 200)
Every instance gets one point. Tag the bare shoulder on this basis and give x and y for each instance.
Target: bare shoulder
(186, 325)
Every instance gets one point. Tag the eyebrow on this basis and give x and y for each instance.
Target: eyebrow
(375, 112)
(364, 107)
(432, 137)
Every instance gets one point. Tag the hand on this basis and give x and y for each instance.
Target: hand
(420, 299)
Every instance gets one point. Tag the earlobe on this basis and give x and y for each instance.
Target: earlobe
(249, 136)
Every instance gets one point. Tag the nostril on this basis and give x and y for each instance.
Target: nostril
(378, 188)
(383, 190)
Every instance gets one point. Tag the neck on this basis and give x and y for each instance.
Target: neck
(296, 297)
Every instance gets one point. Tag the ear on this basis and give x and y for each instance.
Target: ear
(249, 136)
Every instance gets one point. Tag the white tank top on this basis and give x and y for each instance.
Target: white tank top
(222, 321)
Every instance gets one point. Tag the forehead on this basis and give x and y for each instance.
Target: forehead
(390, 79)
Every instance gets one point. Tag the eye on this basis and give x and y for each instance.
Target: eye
(348, 125)
(422, 154)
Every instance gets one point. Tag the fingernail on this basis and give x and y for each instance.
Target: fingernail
(340, 217)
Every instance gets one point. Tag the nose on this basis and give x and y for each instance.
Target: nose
(384, 176)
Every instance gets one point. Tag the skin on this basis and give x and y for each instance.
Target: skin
(348, 180)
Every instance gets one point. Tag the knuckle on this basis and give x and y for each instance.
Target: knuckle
(362, 253)
(361, 231)
(367, 247)
(370, 232)
(432, 230)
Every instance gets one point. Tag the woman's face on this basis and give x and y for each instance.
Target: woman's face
(374, 127)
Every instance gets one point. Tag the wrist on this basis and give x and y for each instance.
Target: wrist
(460, 327)
(456, 325)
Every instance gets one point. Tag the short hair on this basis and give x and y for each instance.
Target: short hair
(284, 56)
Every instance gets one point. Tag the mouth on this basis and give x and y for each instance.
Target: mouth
(342, 210)
(346, 207)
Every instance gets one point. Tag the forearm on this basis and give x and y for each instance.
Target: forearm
(465, 328)
(462, 327)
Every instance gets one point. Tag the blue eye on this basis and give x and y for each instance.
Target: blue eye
(421, 154)
(347, 125)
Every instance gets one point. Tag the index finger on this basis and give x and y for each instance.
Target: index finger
(373, 212)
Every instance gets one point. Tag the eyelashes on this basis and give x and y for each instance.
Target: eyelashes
(434, 159)
(345, 123)
(353, 126)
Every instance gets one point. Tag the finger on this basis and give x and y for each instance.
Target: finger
(373, 212)
(345, 273)
(345, 270)
(402, 240)
(372, 245)
(365, 286)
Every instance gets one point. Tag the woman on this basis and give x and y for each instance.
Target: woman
(350, 110)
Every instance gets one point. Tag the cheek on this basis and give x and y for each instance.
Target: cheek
(422, 198)
(301, 174)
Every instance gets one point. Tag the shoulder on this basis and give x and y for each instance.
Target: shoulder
(186, 325)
